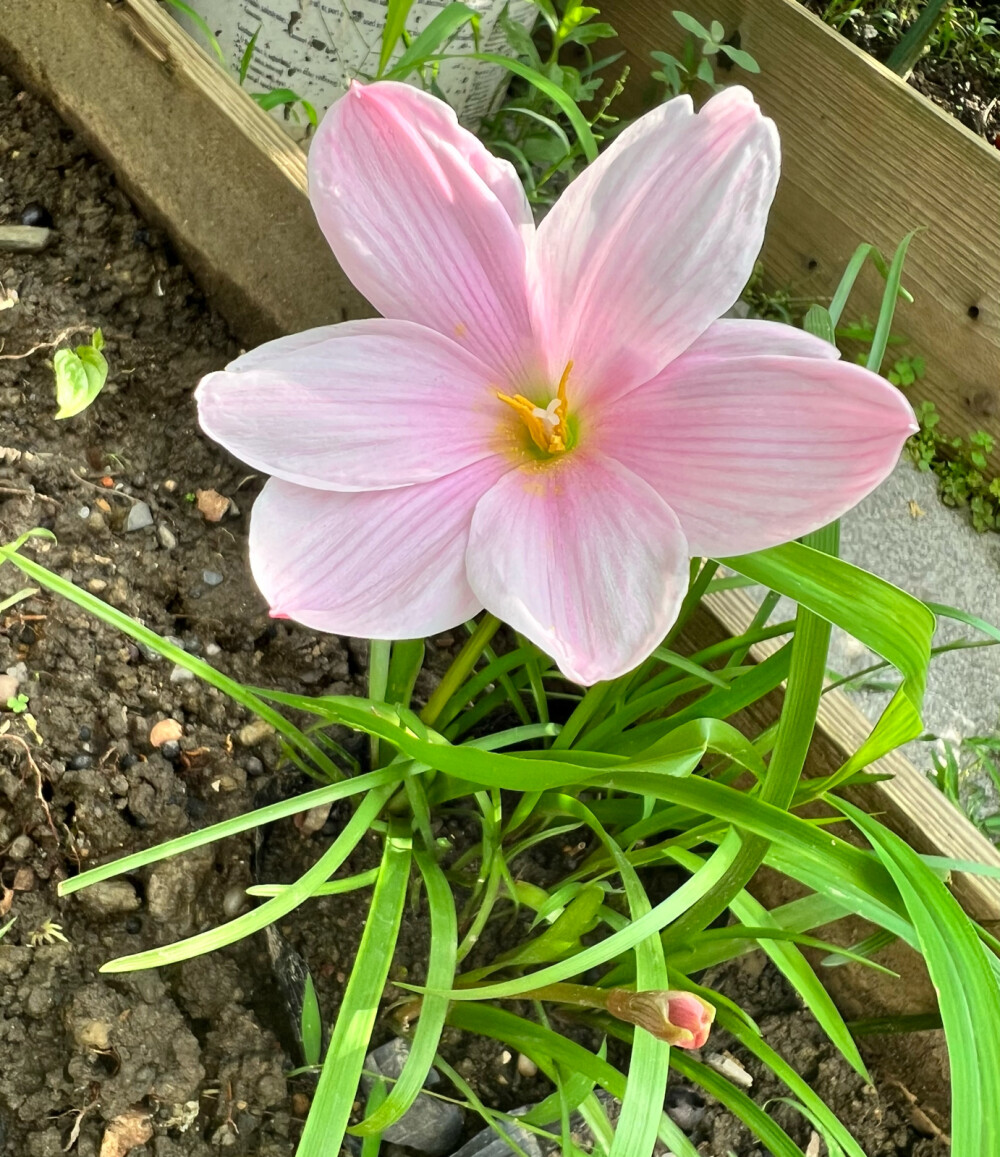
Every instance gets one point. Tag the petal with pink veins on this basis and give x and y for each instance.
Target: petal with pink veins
(752, 451)
(386, 564)
(367, 405)
(583, 558)
(425, 222)
(654, 240)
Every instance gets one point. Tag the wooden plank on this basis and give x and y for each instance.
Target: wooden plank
(912, 804)
(865, 158)
(192, 150)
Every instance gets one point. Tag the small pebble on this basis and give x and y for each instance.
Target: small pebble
(171, 749)
(83, 512)
(211, 578)
(81, 762)
(84, 734)
(254, 766)
(213, 649)
(109, 897)
(8, 688)
(133, 925)
(36, 214)
(526, 1067)
(233, 902)
(253, 733)
(168, 540)
(128, 760)
(139, 517)
(176, 640)
(181, 674)
(21, 848)
(97, 586)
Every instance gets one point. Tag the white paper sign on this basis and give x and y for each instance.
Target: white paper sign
(316, 47)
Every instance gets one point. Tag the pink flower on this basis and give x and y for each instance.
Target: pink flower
(546, 422)
(680, 1018)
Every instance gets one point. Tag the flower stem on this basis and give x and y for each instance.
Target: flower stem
(461, 667)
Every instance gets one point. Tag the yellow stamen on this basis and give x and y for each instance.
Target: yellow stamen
(547, 426)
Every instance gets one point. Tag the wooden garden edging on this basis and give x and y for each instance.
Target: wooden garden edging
(203, 160)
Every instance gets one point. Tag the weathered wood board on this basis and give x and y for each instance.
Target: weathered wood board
(865, 158)
(204, 161)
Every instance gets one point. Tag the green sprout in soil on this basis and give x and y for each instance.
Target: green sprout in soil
(18, 703)
(694, 65)
(80, 376)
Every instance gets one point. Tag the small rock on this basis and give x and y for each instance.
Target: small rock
(83, 512)
(36, 214)
(8, 688)
(168, 540)
(526, 1067)
(97, 586)
(254, 766)
(309, 822)
(429, 1125)
(212, 649)
(21, 848)
(139, 517)
(254, 733)
(109, 898)
(486, 1143)
(211, 578)
(92, 1034)
(174, 886)
(685, 1106)
(181, 674)
(170, 750)
(81, 762)
(126, 1132)
(212, 504)
(165, 731)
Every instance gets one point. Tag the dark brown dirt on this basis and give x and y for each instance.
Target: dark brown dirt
(967, 85)
(202, 1048)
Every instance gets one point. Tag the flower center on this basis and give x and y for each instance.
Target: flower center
(547, 426)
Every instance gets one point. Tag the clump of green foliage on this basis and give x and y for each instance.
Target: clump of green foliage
(695, 64)
(961, 466)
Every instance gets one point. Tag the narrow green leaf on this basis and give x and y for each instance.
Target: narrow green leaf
(447, 22)
(311, 1025)
(393, 26)
(345, 1057)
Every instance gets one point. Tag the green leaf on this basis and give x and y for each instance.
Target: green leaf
(818, 322)
(338, 1083)
(887, 620)
(440, 30)
(967, 988)
(689, 24)
(247, 56)
(740, 58)
(392, 29)
(80, 376)
(311, 1025)
(440, 974)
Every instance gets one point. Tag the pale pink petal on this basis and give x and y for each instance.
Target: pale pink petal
(367, 405)
(752, 451)
(427, 224)
(582, 557)
(387, 564)
(654, 241)
(733, 337)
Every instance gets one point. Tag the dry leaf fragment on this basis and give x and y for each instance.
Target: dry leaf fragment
(166, 731)
(915, 510)
(125, 1133)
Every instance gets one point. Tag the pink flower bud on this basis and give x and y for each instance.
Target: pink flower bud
(680, 1018)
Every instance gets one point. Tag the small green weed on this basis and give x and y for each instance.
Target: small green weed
(80, 376)
(961, 466)
(695, 64)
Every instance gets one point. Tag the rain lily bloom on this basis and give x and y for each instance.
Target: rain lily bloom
(546, 422)
(680, 1018)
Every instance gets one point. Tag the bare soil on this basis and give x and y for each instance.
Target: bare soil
(190, 1060)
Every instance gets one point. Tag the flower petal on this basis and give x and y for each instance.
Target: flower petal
(655, 240)
(582, 557)
(387, 564)
(365, 405)
(752, 451)
(427, 224)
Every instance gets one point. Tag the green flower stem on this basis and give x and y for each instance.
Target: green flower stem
(795, 730)
(461, 667)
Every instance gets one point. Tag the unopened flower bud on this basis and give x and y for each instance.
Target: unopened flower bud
(680, 1018)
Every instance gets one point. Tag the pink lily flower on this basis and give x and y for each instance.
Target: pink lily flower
(546, 422)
